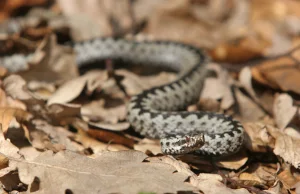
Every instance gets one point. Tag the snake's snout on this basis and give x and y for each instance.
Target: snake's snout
(181, 144)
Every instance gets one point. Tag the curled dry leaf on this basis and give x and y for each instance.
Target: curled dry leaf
(110, 137)
(234, 162)
(15, 86)
(289, 149)
(8, 114)
(111, 172)
(89, 142)
(258, 138)
(73, 88)
(284, 110)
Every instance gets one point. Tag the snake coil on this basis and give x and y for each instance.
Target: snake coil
(153, 113)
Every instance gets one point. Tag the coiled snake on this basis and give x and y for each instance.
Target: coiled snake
(153, 113)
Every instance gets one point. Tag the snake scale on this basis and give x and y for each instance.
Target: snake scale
(154, 113)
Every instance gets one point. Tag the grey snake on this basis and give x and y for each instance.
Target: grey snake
(154, 113)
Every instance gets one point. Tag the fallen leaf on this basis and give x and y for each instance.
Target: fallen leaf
(258, 138)
(57, 63)
(63, 113)
(289, 149)
(233, 162)
(287, 178)
(280, 72)
(107, 173)
(7, 114)
(211, 183)
(15, 86)
(7, 150)
(148, 145)
(110, 137)
(107, 112)
(284, 110)
(219, 88)
(112, 127)
(249, 110)
(73, 88)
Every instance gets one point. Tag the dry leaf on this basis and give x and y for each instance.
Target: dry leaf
(148, 145)
(15, 86)
(57, 63)
(280, 72)
(106, 112)
(63, 113)
(7, 114)
(111, 172)
(109, 137)
(284, 110)
(258, 138)
(89, 142)
(233, 162)
(211, 183)
(219, 88)
(289, 149)
(72, 89)
(7, 150)
(249, 110)
(287, 178)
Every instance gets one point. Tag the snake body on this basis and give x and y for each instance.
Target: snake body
(154, 113)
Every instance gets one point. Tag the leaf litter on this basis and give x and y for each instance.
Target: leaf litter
(65, 131)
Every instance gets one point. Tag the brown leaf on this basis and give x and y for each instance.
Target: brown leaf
(289, 149)
(280, 72)
(15, 86)
(110, 172)
(211, 183)
(89, 142)
(258, 137)
(234, 162)
(73, 88)
(58, 61)
(44, 136)
(7, 114)
(219, 88)
(110, 137)
(148, 145)
(63, 113)
(287, 178)
(284, 110)
(249, 110)
(7, 150)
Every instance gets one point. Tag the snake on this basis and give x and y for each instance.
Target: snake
(160, 112)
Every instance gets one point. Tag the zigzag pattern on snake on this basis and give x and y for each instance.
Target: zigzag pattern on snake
(153, 113)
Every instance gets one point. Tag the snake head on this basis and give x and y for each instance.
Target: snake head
(181, 144)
